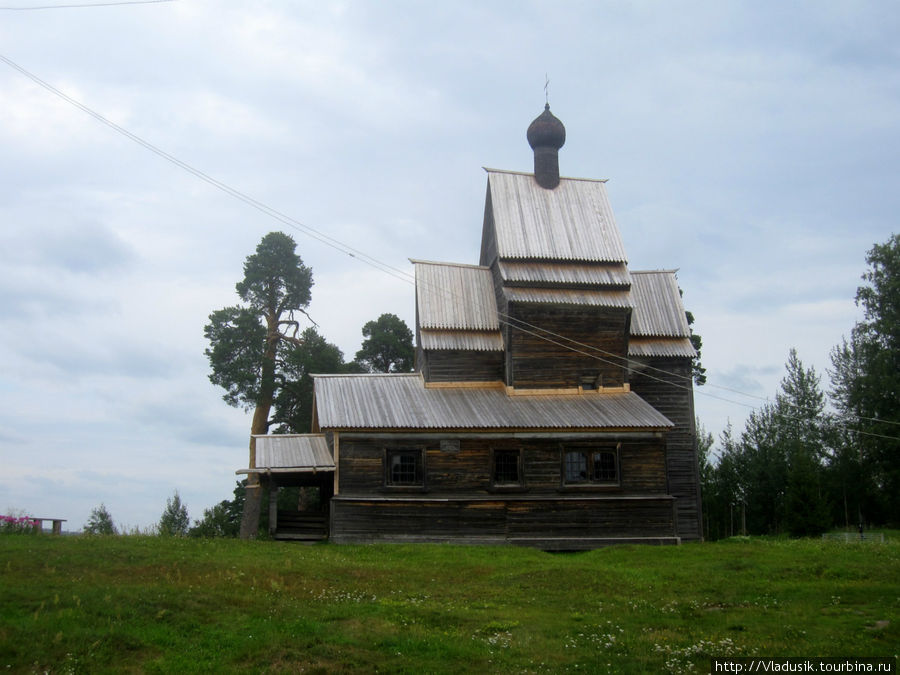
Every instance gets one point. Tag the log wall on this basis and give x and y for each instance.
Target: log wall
(535, 362)
(642, 465)
(458, 503)
(666, 385)
(565, 523)
(461, 366)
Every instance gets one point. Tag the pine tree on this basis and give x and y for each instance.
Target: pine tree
(865, 380)
(248, 343)
(388, 347)
(293, 402)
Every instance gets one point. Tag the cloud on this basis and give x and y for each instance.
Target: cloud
(68, 242)
(751, 146)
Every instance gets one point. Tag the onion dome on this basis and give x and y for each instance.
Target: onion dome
(546, 135)
(546, 131)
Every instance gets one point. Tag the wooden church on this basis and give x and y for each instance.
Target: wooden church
(552, 402)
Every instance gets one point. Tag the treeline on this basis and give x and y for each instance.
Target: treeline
(221, 520)
(812, 460)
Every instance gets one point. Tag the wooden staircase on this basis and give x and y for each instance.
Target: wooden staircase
(301, 526)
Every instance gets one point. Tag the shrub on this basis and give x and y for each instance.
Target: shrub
(12, 523)
(174, 521)
(100, 522)
(218, 521)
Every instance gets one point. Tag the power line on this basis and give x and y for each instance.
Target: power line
(391, 270)
(628, 363)
(80, 6)
(237, 194)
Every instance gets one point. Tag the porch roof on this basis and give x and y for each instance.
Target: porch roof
(291, 453)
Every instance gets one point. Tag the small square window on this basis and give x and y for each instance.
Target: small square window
(403, 467)
(506, 467)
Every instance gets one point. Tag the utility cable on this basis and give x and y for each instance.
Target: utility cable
(81, 6)
(341, 247)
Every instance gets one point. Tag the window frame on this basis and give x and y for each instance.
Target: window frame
(507, 486)
(590, 453)
(419, 455)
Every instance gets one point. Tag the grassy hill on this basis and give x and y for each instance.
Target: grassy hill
(142, 604)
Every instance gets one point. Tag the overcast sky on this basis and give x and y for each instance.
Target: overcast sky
(753, 146)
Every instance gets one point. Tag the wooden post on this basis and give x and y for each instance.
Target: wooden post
(273, 509)
(252, 498)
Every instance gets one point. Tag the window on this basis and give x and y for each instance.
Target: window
(506, 467)
(590, 380)
(588, 465)
(403, 468)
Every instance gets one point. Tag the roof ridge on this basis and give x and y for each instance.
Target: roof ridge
(287, 435)
(531, 173)
(361, 375)
(417, 261)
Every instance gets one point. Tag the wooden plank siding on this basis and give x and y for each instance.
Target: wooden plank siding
(461, 366)
(666, 385)
(642, 466)
(457, 501)
(537, 362)
(573, 523)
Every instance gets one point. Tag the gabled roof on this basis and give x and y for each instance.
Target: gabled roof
(401, 401)
(658, 311)
(573, 221)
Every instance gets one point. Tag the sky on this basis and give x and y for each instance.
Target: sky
(754, 146)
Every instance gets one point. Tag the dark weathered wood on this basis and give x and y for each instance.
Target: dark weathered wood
(461, 366)
(458, 501)
(560, 523)
(539, 359)
(642, 465)
(301, 526)
(665, 383)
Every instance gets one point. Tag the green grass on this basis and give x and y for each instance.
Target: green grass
(141, 604)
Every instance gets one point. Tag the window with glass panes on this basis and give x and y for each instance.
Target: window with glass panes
(404, 467)
(590, 465)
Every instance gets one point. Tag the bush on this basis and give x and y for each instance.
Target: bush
(18, 523)
(218, 521)
(174, 521)
(100, 522)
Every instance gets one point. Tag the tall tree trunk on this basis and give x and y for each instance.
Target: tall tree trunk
(253, 491)
(260, 426)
